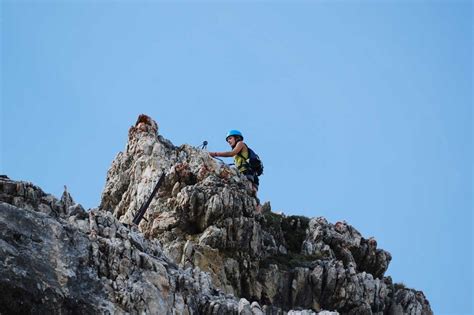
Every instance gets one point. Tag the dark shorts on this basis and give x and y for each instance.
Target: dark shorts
(252, 177)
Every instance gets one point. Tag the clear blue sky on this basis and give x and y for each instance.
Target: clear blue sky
(361, 110)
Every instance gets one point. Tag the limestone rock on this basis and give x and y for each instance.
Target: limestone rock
(206, 217)
(205, 246)
(88, 262)
(51, 264)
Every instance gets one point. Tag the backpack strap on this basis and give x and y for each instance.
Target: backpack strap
(243, 157)
(247, 160)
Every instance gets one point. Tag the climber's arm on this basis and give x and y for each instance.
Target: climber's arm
(238, 147)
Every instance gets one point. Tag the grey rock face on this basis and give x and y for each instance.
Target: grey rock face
(345, 243)
(78, 262)
(44, 266)
(206, 247)
(28, 196)
(206, 217)
(89, 263)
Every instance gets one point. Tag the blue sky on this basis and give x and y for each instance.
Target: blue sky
(361, 110)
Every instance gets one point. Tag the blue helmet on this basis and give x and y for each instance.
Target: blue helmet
(234, 133)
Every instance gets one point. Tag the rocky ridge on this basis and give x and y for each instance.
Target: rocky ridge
(204, 248)
(206, 216)
(57, 258)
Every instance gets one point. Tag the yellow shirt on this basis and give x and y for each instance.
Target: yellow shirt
(241, 159)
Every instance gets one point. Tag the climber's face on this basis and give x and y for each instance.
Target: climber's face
(231, 141)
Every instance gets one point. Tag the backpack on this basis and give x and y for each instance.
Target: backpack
(254, 162)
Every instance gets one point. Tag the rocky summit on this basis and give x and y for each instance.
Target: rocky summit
(205, 246)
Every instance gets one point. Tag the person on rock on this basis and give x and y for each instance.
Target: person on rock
(240, 152)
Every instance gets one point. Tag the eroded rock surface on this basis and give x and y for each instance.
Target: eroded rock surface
(56, 258)
(206, 217)
(206, 246)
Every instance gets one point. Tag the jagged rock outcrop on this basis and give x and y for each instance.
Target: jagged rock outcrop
(206, 247)
(206, 217)
(56, 258)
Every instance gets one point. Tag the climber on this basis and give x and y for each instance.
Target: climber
(240, 152)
